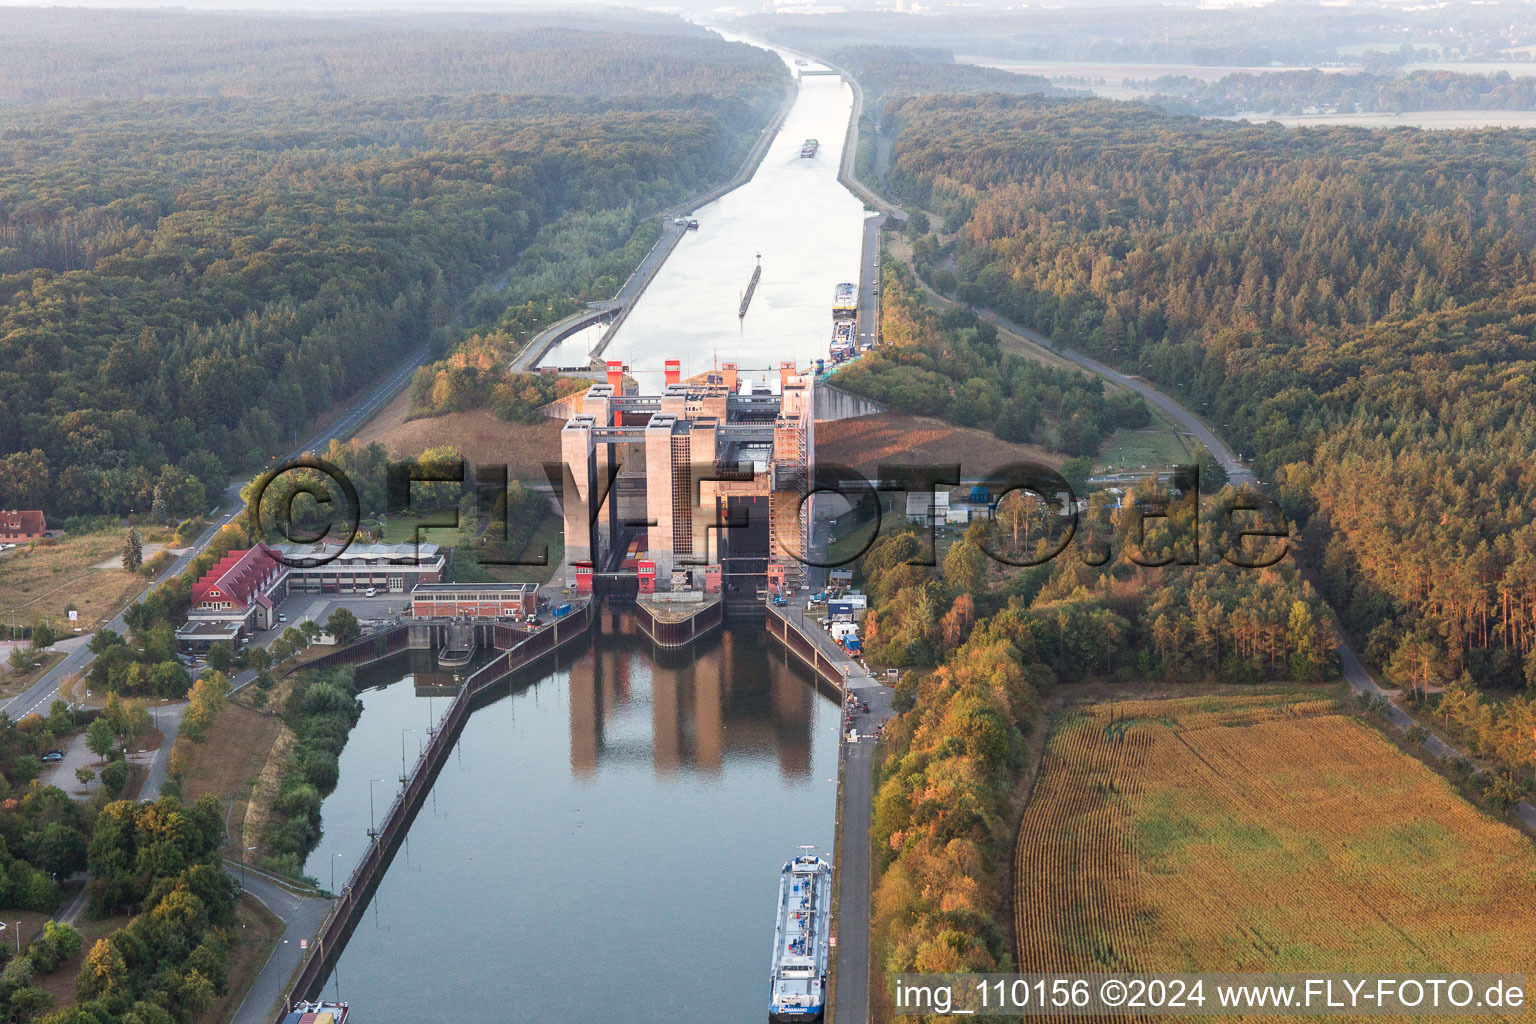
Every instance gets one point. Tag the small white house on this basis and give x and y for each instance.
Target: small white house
(929, 508)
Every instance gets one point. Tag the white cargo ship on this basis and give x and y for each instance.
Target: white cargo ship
(798, 990)
(845, 301)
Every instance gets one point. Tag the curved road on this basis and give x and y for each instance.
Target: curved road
(40, 694)
(1355, 673)
(302, 915)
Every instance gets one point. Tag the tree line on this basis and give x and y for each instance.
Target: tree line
(1299, 92)
(1351, 307)
(187, 284)
(949, 365)
(981, 645)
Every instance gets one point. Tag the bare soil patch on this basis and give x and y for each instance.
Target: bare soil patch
(896, 438)
(484, 438)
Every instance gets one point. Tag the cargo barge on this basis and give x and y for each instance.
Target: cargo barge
(808, 149)
(845, 301)
(801, 939)
(746, 296)
(317, 1013)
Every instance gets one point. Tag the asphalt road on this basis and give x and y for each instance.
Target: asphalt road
(302, 917)
(851, 999)
(1361, 681)
(1237, 473)
(42, 693)
(869, 283)
(850, 1003)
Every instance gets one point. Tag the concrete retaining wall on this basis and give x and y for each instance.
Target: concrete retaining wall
(836, 404)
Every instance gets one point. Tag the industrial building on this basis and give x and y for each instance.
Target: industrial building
(357, 568)
(708, 479)
(474, 600)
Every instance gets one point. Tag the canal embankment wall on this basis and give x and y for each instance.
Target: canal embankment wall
(666, 628)
(525, 649)
(834, 403)
(799, 641)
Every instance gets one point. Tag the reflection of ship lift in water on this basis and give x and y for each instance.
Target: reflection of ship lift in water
(746, 296)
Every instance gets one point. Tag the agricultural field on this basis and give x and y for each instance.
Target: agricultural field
(1266, 833)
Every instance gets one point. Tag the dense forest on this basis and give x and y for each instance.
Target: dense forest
(1353, 308)
(886, 72)
(1242, 35)
(950, 365)
(185, 284)
(1314, 91)
(53, 55)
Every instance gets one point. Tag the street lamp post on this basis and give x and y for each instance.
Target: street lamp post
(373, 832)
(334, 858)
(402, 754)
(248, 849)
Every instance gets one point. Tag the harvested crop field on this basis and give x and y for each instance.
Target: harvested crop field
(895, 438)
(483, 437)
(1259, 834)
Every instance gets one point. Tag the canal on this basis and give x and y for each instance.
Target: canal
(605, 841)
(807, 228)
(603, 844)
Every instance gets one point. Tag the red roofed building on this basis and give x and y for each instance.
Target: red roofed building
(241, 592)
(20, 526)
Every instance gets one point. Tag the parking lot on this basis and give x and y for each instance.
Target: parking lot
(317, 608)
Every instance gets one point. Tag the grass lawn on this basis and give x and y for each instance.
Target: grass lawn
(228, 763)
(1259, 834)
(1154, 447)
(12, 683)
(37, 583)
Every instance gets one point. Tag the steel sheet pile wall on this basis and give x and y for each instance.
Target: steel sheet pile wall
(678, 634)
(353, 898)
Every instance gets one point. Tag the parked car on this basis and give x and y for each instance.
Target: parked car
(371, 592)
(54, 755)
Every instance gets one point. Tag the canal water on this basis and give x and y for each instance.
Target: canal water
(807, 228)
(603, 844)
(605, 841)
